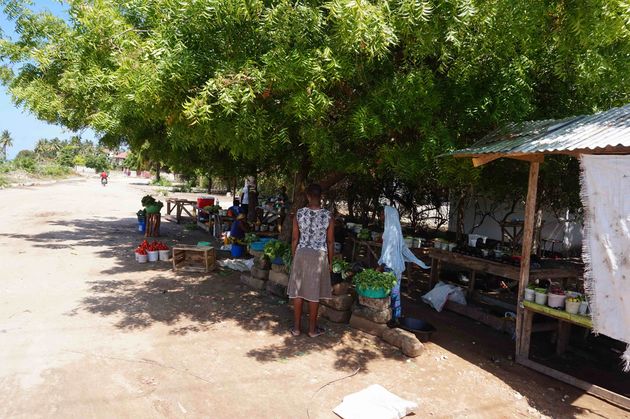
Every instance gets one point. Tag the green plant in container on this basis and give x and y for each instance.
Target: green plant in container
(277, 249)
(373, 284)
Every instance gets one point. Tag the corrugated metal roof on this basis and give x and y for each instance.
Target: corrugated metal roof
(604, 131)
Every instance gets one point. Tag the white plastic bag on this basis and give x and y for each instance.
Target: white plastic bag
(374, 402)
(442, 292)
(241, 265)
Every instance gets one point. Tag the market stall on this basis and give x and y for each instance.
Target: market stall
(181, 206)
(607, 136)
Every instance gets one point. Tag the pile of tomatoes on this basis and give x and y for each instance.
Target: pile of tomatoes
(154, 246)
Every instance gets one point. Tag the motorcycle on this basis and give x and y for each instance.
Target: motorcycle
(104, 181)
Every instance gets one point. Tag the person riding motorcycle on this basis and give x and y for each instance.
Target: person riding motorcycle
(104, 178)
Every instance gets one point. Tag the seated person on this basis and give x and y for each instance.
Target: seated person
(234, 210)
(239, 227)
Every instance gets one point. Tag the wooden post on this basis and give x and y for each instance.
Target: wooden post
(528, 236)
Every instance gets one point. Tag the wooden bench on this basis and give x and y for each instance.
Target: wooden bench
(194, 258)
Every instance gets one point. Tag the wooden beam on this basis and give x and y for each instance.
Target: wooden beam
(481, 160)
(538, 158)
(600, 392)
(528, 237)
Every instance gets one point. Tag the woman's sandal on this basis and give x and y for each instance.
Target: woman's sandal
(318, 332)
(295, 332)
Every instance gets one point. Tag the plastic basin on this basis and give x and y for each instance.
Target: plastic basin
(372, 293)
(422, 329)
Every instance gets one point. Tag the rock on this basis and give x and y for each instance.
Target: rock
(260, 273)
(341, 288)
(277, 289)
(279, 268)
(411, 346)
(379, 304)
(373, 315)
(256, 253)
(262, 262)
(333, 315)
(393, 337)
(339, 302)
(366, 325)
(252, 282)
(279, 277)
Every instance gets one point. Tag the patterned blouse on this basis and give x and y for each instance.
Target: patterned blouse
(313, 225)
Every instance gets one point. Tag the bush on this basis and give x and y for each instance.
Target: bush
(27, 164)
(3, 181)
(161, 182)
(54, 170)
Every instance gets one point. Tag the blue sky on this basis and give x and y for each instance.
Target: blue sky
(25, 128)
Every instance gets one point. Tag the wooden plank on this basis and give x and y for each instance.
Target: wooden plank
(481, 160)
(477, 296)
(435, 272)
(592, 389)
(583, 321)
(528, 237)
(528, 320)
(538, 158)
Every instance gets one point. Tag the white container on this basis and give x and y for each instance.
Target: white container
(437, 244)
(141, 258)
(451, 246)
(417, 242)
(556, 300)
(444, 245)
(540, 298)
(583, 308)
(530, 294)
(472, 239)
(572, 307)
(153, 255)
(409, 242)
(164, 254)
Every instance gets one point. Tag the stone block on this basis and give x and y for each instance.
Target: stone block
(393, 337)
(366, 325)
(411, 346)
(333, 315)
(339, 302)
(376, 316)
(279, 268)
(279, 277)
(341, 288)
(260, 273)
(252, 282)
(277, 289)
(379, 304)
(256, 253)
(262, 262)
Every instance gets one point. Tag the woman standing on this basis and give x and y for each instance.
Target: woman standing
(394, 254)
(313, 249)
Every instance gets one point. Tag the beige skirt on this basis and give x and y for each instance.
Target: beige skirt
(310, 275)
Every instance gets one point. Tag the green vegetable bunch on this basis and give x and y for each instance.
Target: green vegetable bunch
(212, 209)
(278, 249)
(148, 200)
(250, 238)
(364, 234)
(341, 266)
(374, 280)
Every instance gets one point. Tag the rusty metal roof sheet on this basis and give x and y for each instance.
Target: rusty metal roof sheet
(607, 131)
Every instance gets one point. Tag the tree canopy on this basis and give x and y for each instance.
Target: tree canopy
(373, 89)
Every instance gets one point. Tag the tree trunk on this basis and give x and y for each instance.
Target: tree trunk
(158, 167)
(209, 184)
(253, 200)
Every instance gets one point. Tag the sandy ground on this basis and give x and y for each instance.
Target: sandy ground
(86, 332)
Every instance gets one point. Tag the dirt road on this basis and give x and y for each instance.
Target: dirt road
(86, 332)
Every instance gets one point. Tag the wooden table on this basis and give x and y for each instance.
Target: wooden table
(194, 258)
(179, 205)
(504, 270)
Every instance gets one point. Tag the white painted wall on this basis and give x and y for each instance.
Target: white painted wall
(564, 229)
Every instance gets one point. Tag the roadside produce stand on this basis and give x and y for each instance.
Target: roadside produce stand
(605, 134)
(180, 207)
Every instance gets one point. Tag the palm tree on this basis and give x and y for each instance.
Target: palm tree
(5, 142)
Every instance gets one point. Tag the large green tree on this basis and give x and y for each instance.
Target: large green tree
(324, 89)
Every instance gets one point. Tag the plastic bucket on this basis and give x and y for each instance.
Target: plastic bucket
(555, 300)
(141, 258)
(572, 307)
(237, 250)
(164, 254)
(372, 293)
(142, 225)
(205, 201)
(530, 295)
(258, 246)
(277, 261)
(541, 298)
(153, 255)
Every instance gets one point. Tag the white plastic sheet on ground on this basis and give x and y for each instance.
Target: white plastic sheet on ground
(443, 292)
(606, 198)
(241, 265)
(374, 402)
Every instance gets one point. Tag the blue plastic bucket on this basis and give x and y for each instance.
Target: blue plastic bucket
(277, 261)
(237, 250)
(258, 246)
(142, 226)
